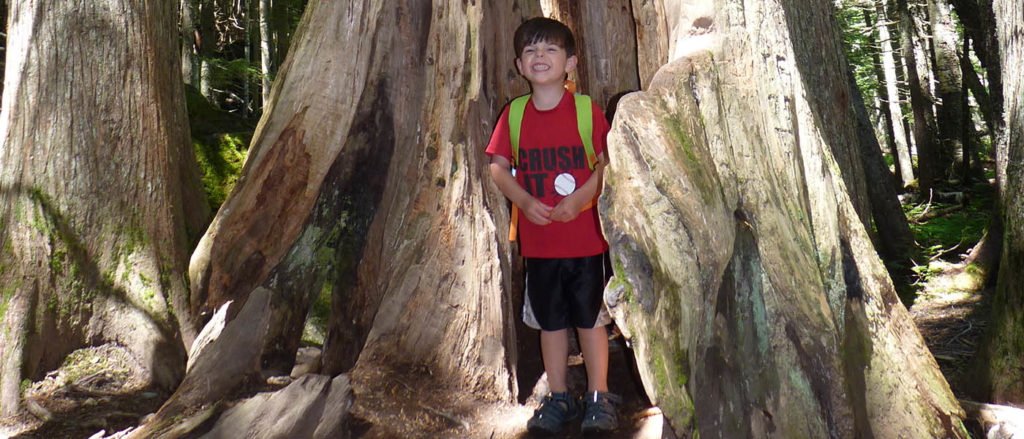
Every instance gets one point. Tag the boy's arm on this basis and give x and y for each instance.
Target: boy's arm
(535, 211)
(569, 208)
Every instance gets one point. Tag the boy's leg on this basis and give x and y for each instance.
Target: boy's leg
(554, 348)
(594, 343)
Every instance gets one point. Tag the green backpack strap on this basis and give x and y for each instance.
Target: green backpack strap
(584, 124)
(515, 122)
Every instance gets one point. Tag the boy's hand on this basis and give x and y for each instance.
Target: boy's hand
(568, 209)
(537, 212)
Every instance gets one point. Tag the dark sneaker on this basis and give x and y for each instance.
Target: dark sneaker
(600, 416)
(556, 409)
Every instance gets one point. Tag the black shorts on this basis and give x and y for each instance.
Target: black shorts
(566, 292)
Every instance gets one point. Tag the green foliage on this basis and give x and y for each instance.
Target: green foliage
(859, 42)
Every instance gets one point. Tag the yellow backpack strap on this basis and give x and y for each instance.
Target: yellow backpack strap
(515, 123)
(585, 125)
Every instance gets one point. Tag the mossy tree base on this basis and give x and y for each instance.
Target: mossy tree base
(98, 187)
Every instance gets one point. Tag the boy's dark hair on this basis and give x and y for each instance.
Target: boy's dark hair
(544, 29)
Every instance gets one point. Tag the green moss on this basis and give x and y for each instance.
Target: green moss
(682, 368)
(220, 161)
(58, 258)
(319, 314)
(619, 281)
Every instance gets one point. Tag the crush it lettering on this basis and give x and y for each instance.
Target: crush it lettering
(540, 166)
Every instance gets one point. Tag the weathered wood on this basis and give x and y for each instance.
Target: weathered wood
(743, 275)
(314, 406)
(98, 188)
(998, 421)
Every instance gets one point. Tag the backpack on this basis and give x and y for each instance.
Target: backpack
(584, 124)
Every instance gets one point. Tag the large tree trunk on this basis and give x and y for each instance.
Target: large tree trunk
(366, 176)
(743, 276)
(1004, 344)
(98, 188)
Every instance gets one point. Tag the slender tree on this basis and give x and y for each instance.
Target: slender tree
(948, 84)
(190, 62)
(893, 113)
(265, 54)
(98, 188)
(929, 169)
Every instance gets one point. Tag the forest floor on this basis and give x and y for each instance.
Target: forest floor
(951, 312)
(95, 395)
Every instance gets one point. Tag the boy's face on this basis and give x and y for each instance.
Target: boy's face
(544, 63)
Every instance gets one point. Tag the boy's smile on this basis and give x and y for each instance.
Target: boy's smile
(543, 63)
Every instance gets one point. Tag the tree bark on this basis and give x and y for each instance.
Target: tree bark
(1003, 379)
(948, 85)
(743, 275)
(99, 189)
(928, 168)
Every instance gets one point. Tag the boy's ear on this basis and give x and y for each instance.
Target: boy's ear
(519, 66)
(570, 63)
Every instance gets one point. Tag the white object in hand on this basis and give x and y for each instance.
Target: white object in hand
(565, 184)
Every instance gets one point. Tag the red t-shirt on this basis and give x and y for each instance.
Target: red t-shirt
(550, 146)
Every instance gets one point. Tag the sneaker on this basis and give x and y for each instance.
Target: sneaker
(556, 409)
(600, 415)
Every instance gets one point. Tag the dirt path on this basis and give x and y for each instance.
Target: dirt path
(951, 312)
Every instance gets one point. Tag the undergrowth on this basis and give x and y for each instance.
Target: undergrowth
(949, 236)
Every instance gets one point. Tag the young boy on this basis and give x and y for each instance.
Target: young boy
(560, 235)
